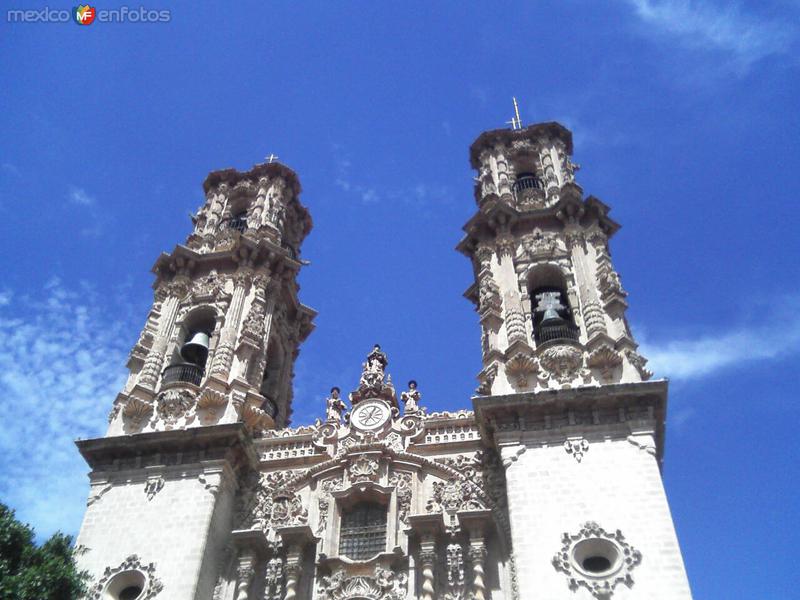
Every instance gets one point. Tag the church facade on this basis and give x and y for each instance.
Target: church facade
(546, 485)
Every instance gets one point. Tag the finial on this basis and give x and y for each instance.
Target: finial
(515, 122)
(271, 158)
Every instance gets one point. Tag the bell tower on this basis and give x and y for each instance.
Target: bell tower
(563, 394)
(211, 370)
(221, 338)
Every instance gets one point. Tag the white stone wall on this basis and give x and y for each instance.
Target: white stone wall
(171, 530)
(616, 484)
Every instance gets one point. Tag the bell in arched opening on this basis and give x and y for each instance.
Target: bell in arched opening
(195, 350)
(552, 318)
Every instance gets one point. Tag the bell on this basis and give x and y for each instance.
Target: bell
(195, 350)
(551, 314)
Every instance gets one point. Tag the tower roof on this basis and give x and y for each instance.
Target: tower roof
(506, 136)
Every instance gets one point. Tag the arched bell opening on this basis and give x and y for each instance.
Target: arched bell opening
(553, 318)
(191, 354)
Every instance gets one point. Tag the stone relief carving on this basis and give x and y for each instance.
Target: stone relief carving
(606, 359)
(455, 565)
(268, 500)
(520, 367)
(324, 501)
(601, 585)
(97, 492)
(363, 468)
(562, 362)
(137, 412)
(273, 579)
(577, 447)
(384, 585)
(288, 509)
(152, 486)
(453, 495)
(485, 378)
(212, 401)
(541, 245)
(152, 586)
(402, 483)
(639, 362)
(172, 405)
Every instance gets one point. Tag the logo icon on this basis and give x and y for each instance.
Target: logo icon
(84, 14)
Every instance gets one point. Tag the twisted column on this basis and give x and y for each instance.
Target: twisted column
(244, 575)
(427, 557)
(477, 554)
(293, 570)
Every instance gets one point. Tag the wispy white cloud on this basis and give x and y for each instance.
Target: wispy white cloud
(93, 226)
(79, 196)
(704, 25)
(706, 355)
(418, 193)
(11, 169)
(62, 360)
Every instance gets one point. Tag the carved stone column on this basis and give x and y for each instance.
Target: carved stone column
(223, 355)
(427, 559)
(244, 575)
(477, 555)
(269, 298)
(477, 522)
(292, 570)
(151, 370)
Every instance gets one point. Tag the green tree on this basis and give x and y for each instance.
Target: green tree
(31, 572)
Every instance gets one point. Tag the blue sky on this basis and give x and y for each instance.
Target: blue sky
(685, 121)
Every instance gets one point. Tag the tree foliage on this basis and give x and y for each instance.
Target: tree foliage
(31, 572)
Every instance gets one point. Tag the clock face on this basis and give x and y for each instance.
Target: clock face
(370, 414)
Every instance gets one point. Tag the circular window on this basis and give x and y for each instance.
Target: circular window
(596, 557)
(127, 585)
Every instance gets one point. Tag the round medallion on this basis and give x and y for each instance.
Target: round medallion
(370, 414)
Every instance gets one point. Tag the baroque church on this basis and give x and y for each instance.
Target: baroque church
(547, 485)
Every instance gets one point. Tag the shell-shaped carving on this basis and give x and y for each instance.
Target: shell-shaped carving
(212, 401)
(137, 410)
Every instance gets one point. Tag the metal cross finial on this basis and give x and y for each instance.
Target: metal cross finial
(272, 158)
(515, 122)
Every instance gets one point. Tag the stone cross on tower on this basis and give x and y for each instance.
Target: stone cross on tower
(549, 303)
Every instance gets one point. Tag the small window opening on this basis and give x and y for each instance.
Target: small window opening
(130, 593)
(596, 564)
(363, 531)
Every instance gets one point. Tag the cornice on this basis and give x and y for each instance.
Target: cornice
(230, 441)
(540, 411)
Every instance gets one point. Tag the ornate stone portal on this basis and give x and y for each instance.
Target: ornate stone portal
(549, 489)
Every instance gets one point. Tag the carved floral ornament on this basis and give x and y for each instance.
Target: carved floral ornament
(597, 560)
(563, 362)
(383, 585)
(363, 468)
